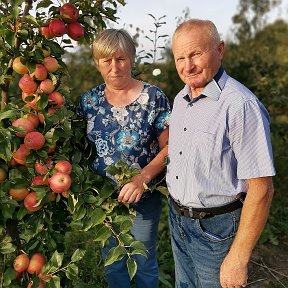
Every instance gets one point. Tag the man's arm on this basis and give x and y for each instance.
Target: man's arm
(255, 211)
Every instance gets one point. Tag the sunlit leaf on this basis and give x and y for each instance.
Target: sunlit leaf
(77, 255)
(72, 271)
(132, 267)
(115, 254)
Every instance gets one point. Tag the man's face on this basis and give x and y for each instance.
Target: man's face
(197, 59)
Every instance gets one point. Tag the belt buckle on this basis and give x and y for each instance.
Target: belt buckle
(190, 212)
(203, 215)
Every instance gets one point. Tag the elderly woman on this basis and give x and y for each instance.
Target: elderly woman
(128, 119)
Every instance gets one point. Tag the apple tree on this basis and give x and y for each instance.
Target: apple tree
(46, 187)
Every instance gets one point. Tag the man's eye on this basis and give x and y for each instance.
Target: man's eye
(197, 54)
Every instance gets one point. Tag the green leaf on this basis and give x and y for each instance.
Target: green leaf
(30, 19)
(115, 254)
(44, 4)
(77, 255)
(126, 226)
(126, 238)
(72, 271)
(139, 252)
(107, 190)
(8, 114)
(138, 245)
(79, 213)
(132, 267)
(6, 247)
(56, 259)
(54, 282)
(98, 216)
(90, 199)
(102, 233)
(9, 275)
(164, 190)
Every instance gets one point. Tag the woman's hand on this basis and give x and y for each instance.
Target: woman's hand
(132, 191)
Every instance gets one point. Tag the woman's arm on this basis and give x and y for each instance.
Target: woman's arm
(132, 191)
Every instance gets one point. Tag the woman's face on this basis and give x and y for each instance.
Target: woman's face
(115, 69)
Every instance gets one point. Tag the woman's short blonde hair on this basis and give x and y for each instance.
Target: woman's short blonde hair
(109, 41)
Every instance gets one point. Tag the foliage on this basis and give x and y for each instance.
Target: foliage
(251, 17)
(89, 203)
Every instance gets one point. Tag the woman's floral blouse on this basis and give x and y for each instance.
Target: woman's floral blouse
(129, 133)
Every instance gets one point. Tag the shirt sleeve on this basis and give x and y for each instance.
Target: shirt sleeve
(250, 140)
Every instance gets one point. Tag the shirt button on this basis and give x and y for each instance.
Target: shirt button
(185, 129)
(180, 152)
(176, 177)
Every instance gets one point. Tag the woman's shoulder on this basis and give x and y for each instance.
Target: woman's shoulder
(153, 90)
(92, 96)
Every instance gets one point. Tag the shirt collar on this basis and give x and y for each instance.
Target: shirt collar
(212, 90)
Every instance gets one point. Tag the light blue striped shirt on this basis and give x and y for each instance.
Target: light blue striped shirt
(216, 141)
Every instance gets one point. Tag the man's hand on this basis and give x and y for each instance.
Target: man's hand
(233, 272)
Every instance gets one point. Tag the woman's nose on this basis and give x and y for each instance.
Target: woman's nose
(114, 64)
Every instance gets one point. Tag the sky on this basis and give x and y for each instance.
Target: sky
(135, 12)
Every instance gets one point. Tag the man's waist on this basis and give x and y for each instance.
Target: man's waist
(200, 213)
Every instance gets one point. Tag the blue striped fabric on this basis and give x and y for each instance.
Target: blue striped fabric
(216, 142)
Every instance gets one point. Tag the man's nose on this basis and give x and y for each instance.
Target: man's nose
(189, 64)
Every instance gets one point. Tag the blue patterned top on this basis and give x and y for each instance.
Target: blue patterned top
(129, 133)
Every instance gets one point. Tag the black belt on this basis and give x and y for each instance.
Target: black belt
(200, 213)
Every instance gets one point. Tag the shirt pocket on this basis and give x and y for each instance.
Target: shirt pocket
(203, 147)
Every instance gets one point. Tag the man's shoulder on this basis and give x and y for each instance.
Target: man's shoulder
(235, 90)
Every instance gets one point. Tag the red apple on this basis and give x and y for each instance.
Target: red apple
(57, 27)
(21, 153)
(24, 123)
(40, 180)
(42, 168)
(45, 31)
(27, 85)
(36, 264)
(34, 140)
(51, 148)
(47, 86)
(60, 182)
(51, 64)
(69, 13)
(33, 118)
(40, 72)
(3, 174)
(75, 31)
(31, 203)
(18, 194)
(63, 166)
(56, 98)
(18, 66)
(21, 263)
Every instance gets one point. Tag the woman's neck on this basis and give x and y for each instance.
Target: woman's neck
(124, 95)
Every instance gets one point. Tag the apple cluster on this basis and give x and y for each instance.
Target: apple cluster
(39, 81)
(56, 176)
(66, 24)
(22, 263)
